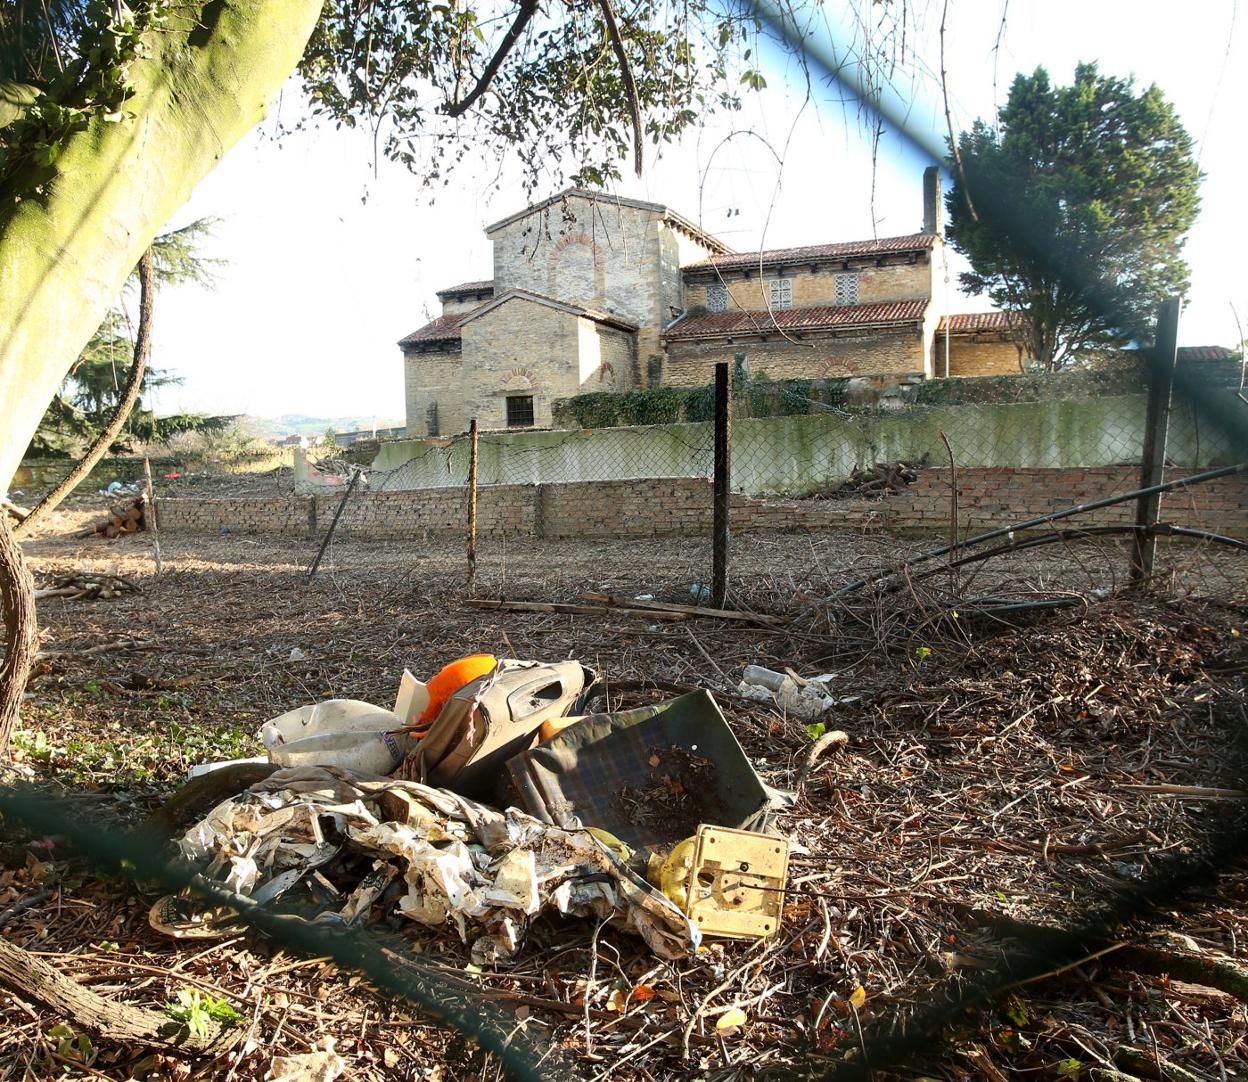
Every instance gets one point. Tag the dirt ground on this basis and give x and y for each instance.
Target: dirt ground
(994, 774)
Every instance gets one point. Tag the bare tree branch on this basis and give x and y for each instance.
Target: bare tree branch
(626, 73)
(526, 11)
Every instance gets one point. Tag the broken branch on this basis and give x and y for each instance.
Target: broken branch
(34, 979)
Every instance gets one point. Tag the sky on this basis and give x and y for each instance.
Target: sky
(329, 256)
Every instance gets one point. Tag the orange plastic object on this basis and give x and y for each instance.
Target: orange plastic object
(555, 726)
(450, 678)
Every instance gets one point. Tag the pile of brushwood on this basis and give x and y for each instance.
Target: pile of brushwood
(875, 482)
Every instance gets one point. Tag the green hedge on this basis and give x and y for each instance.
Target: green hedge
(670, 405)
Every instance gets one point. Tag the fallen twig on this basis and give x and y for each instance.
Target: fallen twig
(1193, 792)
(837, 738)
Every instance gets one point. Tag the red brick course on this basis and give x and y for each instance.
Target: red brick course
(987, 497)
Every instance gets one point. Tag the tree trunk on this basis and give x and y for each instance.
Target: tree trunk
(65, 252)
(17, 600)
(129, 396)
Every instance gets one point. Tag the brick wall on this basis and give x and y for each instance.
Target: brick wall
(991, 497)
(278, 515)
(975, 356)
(988, 497)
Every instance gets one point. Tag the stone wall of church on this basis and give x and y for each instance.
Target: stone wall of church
(692, 364)
(583, 252)
(454, 306)
(518, 348)
(970, 356)
(432, 379)
(619, 259)
(894, 282)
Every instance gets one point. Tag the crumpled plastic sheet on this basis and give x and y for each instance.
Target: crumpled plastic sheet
(486, 873)
(809, 702)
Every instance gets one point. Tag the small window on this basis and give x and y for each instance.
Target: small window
(780, 293)
(847, 288)
(520, 411)
(431, 419)
(717, 298)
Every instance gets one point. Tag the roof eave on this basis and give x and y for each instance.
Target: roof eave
(924, 242)
(775, 329)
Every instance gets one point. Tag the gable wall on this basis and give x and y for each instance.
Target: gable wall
(592, 253)
(518, 348)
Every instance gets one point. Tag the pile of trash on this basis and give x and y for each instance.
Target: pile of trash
(489, 796)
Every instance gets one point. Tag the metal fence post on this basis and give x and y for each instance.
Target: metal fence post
(472, 502)
(1156, 428)
(356, 472)
(723, 484)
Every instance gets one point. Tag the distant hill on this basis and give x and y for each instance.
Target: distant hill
(301, 424)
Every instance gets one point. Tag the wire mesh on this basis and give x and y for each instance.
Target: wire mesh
(797, 454)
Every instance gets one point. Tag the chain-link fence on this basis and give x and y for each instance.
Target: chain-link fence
(535, 490)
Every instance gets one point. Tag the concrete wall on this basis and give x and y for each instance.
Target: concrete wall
(656, 507)
(808, 453)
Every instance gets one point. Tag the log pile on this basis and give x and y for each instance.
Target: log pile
(129, 516)
(882, 479)
(84, 584)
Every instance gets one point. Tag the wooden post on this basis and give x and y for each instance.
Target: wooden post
(150, 515)
(355, 477)
(1156, 429)
(723, 484)
(472, 502)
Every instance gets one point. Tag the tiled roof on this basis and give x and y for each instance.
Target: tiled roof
(977, 322)
(442, 329)
(720, 324)
(915, 242)
(1207, 353)
(468, 287)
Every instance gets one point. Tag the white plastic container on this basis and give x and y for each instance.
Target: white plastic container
(412, 700)
(346, 733)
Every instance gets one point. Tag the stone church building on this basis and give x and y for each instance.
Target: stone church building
(593, 292)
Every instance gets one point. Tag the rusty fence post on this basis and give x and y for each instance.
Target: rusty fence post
(723, 484)
(1156, 429)
(472, 502)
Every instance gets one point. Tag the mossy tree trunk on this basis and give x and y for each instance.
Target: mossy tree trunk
(65, 252)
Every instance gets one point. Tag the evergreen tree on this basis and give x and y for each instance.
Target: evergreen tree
(1080, 200)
